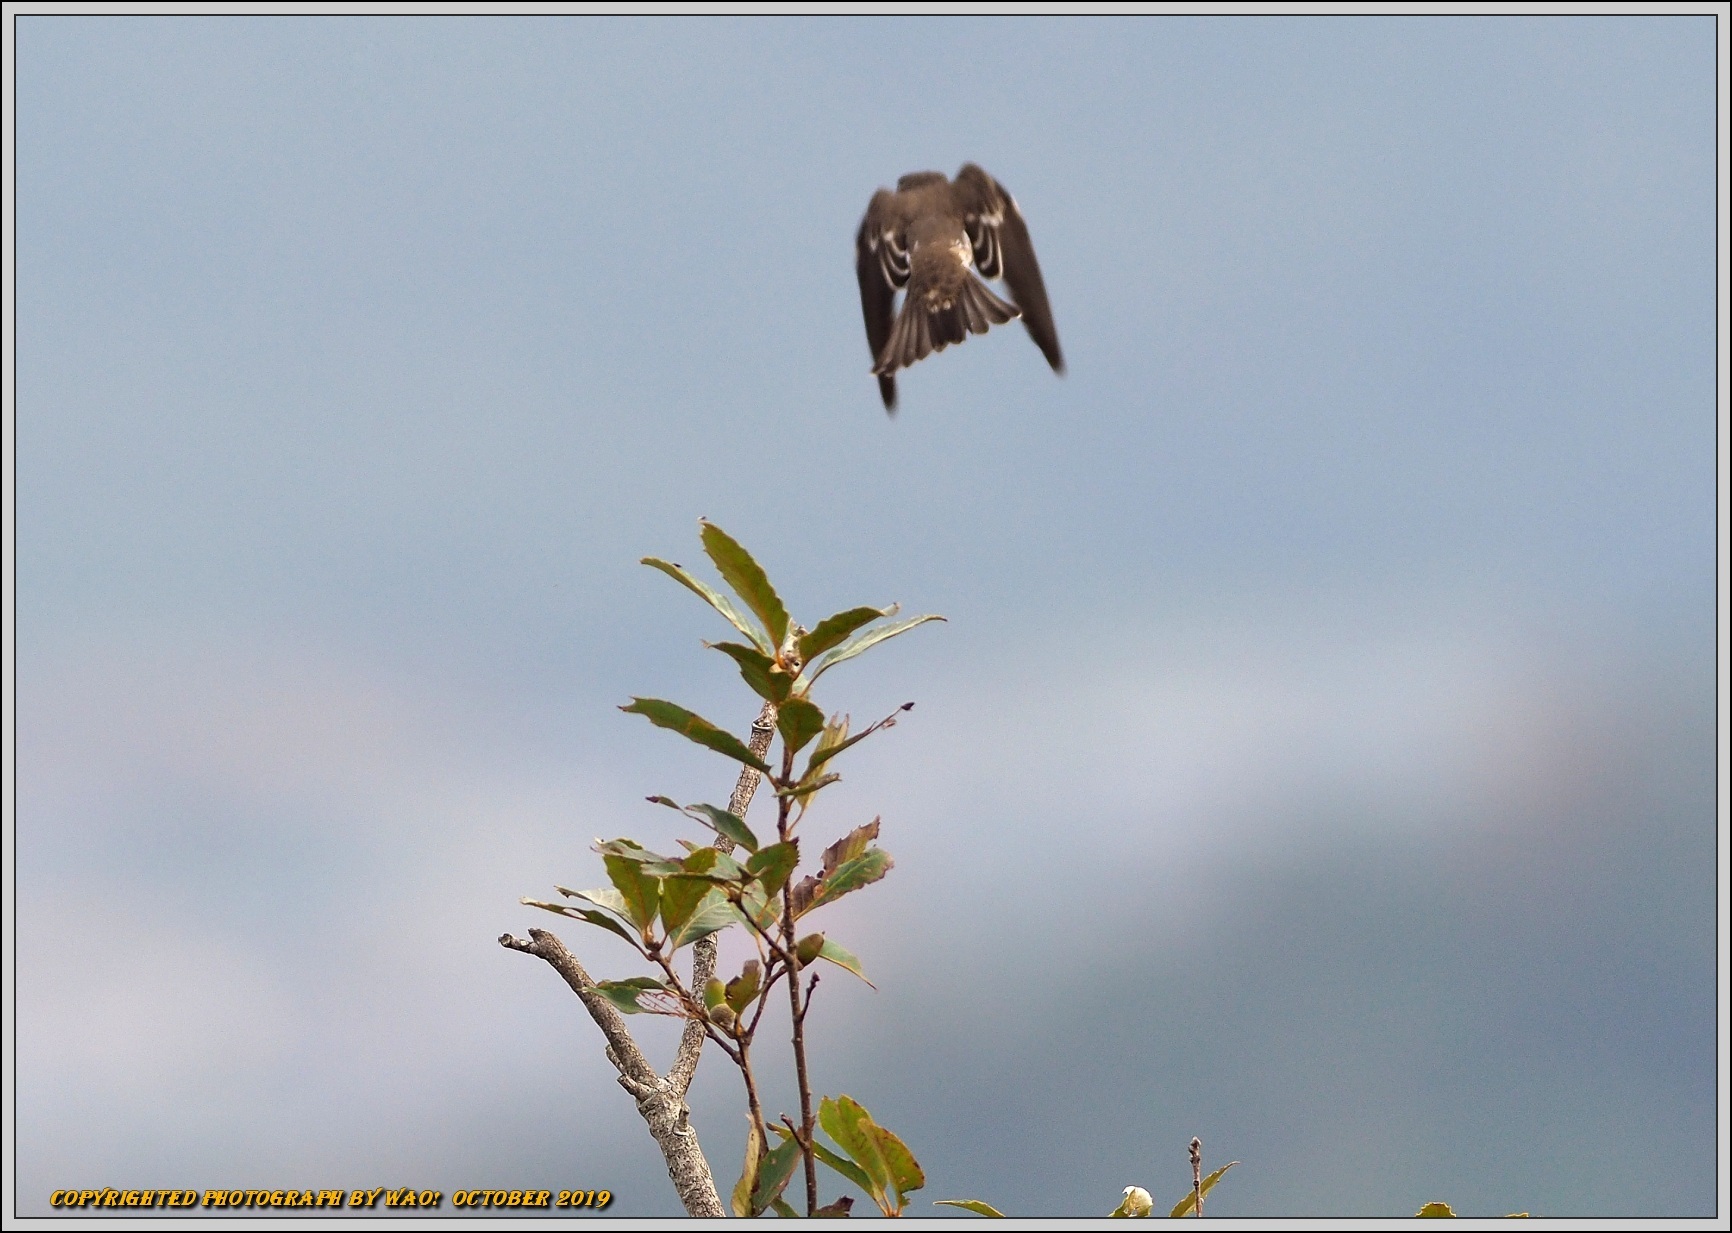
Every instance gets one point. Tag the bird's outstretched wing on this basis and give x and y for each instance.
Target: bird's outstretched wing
(1002, 249)
(882, 267)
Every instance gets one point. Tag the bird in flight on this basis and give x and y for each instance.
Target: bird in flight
(923, 237)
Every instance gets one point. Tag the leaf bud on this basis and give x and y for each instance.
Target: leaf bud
(808, 948)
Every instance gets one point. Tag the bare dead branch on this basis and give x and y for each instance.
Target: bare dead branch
(622, 1049)
(662, 1107)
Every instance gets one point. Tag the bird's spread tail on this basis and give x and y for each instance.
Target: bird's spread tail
(929, 323)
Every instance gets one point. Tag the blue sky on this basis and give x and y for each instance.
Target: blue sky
(1319, 754)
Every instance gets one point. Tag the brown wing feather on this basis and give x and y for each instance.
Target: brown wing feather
(877, 300)
(1014, 253)
(1022, 275)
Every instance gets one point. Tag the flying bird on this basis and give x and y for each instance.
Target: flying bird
(923, 237)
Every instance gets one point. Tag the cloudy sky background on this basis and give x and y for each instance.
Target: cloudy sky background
(1319, 757)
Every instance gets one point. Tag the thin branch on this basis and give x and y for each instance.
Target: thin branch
(694, 1011)
(796, 1012)
(776, 952)
(772, 975)
(704, 951)
(795, 1131)
(806, 1005)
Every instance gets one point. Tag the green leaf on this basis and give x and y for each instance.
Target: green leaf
(624, 993)
(607, 922)
(715, 993)
(602, 896)
(851, 846)
(833, 629)
(1434, 1209)
(715, 599)
(695, 728)
(727, 825)
(680, 899)
(842, 959)
(714, 914)
(865, 641)
(757, 670)
(906, 1175)
(845, 1121)
(741, 1201)
(742, 573)
(841, 1164)
(773, 1175)
(851, 876)
(626, 847)
(642, 894)
(728, 869)
(971, 1205)
(652, 863)
(773, 865)
(594, 917)
(709, 863)
(1188, 1204)
(701, 862)
(782, 1208)
(798, 721)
